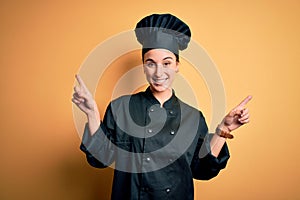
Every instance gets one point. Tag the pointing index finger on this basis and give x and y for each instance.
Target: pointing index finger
(245, 101)
(80, 81)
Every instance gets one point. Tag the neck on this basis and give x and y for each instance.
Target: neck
(163, 96)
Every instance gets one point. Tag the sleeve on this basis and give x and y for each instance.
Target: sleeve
(204, 165)
(99, 148)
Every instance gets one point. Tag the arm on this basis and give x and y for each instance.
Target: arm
(233, 120)
(205, 165)
(98, 148)
(83, 99)
(212, 153)
(95, 141)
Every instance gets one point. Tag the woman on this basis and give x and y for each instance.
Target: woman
(158, 143)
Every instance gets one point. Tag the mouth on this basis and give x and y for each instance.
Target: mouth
(159, 81)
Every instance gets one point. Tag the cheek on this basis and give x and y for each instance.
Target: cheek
(147, 74)
(171, 73)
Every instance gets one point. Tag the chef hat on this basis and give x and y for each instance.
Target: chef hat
(163, 31)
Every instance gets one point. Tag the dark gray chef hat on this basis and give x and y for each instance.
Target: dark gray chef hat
(163, 31)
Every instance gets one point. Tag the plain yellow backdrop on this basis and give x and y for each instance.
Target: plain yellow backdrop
(255, 44)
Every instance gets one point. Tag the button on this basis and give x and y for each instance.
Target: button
(168, 190)
(172, 132)
(151, 109)
(148, 159)
(170, 160)
(144, 189)
(149, 130)
(171, 112)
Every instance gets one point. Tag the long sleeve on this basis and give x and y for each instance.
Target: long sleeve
(204, 165)
(99, 148)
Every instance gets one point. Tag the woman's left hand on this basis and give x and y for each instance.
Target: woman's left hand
(237, 116)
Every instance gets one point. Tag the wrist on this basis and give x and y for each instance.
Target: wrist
(93, 115)
(223, 131)
(92, 110)
(93, 121)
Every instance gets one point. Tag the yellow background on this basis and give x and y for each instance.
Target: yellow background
(255, 44)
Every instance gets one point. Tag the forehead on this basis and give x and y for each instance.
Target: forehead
(159, 54)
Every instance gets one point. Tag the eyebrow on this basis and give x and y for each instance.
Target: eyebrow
(151, 60)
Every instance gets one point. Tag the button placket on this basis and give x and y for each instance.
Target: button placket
(149, 130)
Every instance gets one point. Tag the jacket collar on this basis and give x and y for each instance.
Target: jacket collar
(169, 104)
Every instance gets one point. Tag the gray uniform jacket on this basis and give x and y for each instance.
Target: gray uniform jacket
(156, 151)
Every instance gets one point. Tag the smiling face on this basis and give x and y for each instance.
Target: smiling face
(160, 67)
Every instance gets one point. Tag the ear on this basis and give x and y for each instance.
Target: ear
(177, 66)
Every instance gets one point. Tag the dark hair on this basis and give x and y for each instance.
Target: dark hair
(145, 50)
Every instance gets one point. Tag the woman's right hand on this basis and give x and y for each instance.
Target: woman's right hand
(83, 99)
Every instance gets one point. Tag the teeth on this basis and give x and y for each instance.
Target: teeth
(159, 80)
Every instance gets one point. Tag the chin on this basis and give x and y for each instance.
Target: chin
(159, 88)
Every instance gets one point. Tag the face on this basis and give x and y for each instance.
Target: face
(160, 67)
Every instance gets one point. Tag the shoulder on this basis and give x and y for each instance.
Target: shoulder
(129, 97)
(189, 113)
(188, 108)
(126, 100)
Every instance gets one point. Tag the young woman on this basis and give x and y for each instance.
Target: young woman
(158, 143)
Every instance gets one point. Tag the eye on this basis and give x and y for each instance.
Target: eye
(150, 64)
(166, 64)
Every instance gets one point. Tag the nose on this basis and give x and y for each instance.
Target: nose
(159, 70)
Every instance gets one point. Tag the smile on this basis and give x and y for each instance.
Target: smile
(158, 81)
